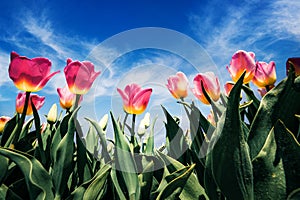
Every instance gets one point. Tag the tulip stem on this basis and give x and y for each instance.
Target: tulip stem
(124, 122)
(22, 119)
(132, 129)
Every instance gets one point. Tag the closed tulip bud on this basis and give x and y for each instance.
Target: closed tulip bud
(3, 121)
(103, 122)
(52, 114)
(144, 125)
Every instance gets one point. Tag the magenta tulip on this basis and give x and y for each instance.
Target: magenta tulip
(80, 76)
(66, 97)
(29, 75)
(135, 99)
(242, 61)
(265, 74)
(38, 102)
(178, 85)
(296, 63)
(211, 85)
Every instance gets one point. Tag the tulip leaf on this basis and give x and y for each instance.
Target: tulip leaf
(125, 162)
(280, 102)
(8, 130)
(146, 178)
(288, 150)
(149, 150)
(3, 191)
(3, 168)
(269, 176)
(192, 188)
(102, 137)
(63, 160)
(37, 179)
(231, 164)
(117, 186)
(294, 195)
(177, 145)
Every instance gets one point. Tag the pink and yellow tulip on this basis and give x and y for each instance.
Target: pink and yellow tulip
(38, 102)
(3, 121)
(66, 97)
(265, 74)
(80, 76)
(242, 61)
(211, 85)
(29, 75)
(228, 87)
(178, 85)
(135, 99)
(263, 91)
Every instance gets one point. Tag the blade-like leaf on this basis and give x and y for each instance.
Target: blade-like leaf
(289, 151)
(280, 102)
(149, 150)
(231, 164)
(37, 179)
(64, 159)
(125, 162)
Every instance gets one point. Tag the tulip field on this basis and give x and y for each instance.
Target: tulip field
(246, 148)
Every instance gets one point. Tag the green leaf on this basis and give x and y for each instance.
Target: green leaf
(192, 188)
(269, 177)
(231, 163)
(125, 162)
(9, 129)
(63, 160)
(102, 136)
(177, 144)
(3, 191)
(149, 150)
(280, 102)
(146, 178)
(288, 150)
(176, 182)
(37, 179)
(117, 186)
(3, 168)
(295, 195)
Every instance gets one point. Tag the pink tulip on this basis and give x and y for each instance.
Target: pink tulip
(29, 75)
(178, 85)
(241, 61)
(135, 99)
(80, 76)
(211, 118)
(211, 85)
(265, 74)
(228, 87)
(66, 97)
(296, 63)
(3, 121)
(20, 101)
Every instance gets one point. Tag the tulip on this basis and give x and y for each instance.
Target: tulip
(211, 85)
(52, 114)
(178, 85)
(103, 122)
(35, 99)
(228, 87)
(265, 74)
(241, 61)
(211, 118)
(3, 121)
(66, 98)
(80, 76)
(135, 99)
(296, 63)
(29, 75)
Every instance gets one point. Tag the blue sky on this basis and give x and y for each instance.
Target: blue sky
(191, 36)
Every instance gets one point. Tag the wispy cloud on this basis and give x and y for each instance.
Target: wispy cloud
(254, 26)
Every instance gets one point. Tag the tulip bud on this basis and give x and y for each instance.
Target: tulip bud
(144, 124)
(3, 121)
(103, 122)
(52, 114)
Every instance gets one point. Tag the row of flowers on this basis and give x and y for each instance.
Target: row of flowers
(31, 75)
